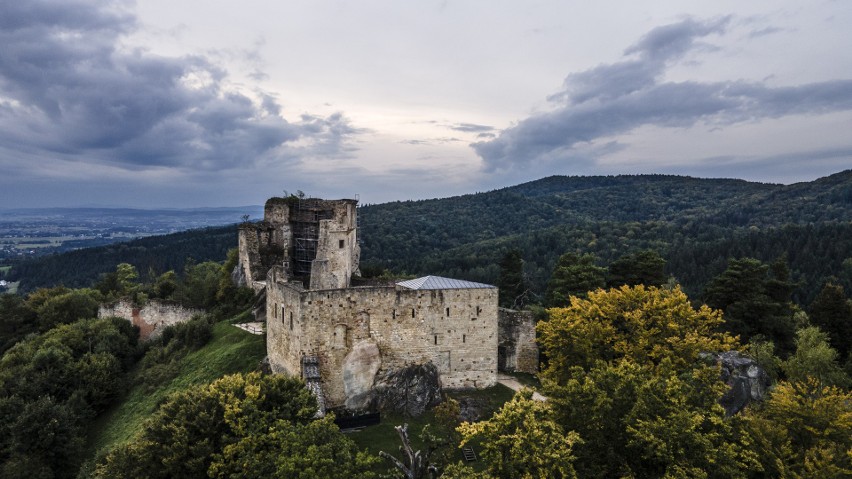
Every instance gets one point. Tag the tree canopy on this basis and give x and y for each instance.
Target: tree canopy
(756, 300)
(249, 425)
(645, 325)
(574, 275)
(624, 372)
(50, 385)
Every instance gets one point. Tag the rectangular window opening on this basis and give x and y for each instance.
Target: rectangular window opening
(448, 312)
(436, 339)
(464, 337)
(341, 243)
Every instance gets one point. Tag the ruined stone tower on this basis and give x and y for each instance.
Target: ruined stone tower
(313, 240)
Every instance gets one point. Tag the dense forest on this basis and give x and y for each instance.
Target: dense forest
(695, 224)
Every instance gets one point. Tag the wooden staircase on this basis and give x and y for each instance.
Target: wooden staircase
(468, 454)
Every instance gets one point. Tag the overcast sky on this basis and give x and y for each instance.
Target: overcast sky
(182, 103)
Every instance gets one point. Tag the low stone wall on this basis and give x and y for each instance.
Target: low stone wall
(517, 350)
(150, 318)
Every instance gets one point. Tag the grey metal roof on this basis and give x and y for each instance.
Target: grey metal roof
(438, 282)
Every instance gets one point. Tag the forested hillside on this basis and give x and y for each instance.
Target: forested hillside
(695, 224)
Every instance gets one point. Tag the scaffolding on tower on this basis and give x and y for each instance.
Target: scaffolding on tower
(305, 218)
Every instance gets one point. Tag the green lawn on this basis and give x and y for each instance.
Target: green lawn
(230, 351)
(5, 269)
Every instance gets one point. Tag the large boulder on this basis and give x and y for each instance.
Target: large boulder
(359, 372)
(408, 391)
(472, 409)
(747, 381)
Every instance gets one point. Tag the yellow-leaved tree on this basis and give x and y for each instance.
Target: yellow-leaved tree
(644, 325)
(625, 372)
(522, 440)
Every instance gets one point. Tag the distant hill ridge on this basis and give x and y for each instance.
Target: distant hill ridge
(695, 223)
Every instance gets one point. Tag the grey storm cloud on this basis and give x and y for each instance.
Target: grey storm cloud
(471, 128)
(69, 88)
(617, 98)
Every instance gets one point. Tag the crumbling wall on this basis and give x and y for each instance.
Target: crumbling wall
(265, 243)
(277, 210)
(454, 329)
(151, 318)
(517, 350)
(338, 252)
(248, 248)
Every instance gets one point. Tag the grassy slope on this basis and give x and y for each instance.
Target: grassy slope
(231, 350)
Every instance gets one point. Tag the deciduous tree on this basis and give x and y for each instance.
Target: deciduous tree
(642, 324)
(239, 426)
(625, 373)
(803, 430)
(815, 359)
(523, 440)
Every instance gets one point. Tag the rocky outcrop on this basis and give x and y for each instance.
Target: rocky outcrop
(408, 391)
(472, 409)
(747, 381)
(359, 371)
(238, 276)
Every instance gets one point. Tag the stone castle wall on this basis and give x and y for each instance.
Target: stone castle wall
(517, 350)
(151, 318)
(361, 333)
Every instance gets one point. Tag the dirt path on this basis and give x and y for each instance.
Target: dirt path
(513, 384)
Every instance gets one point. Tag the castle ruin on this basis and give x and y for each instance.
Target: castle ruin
(347, 341)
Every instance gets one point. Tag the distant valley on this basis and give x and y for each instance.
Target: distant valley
(36, 232)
